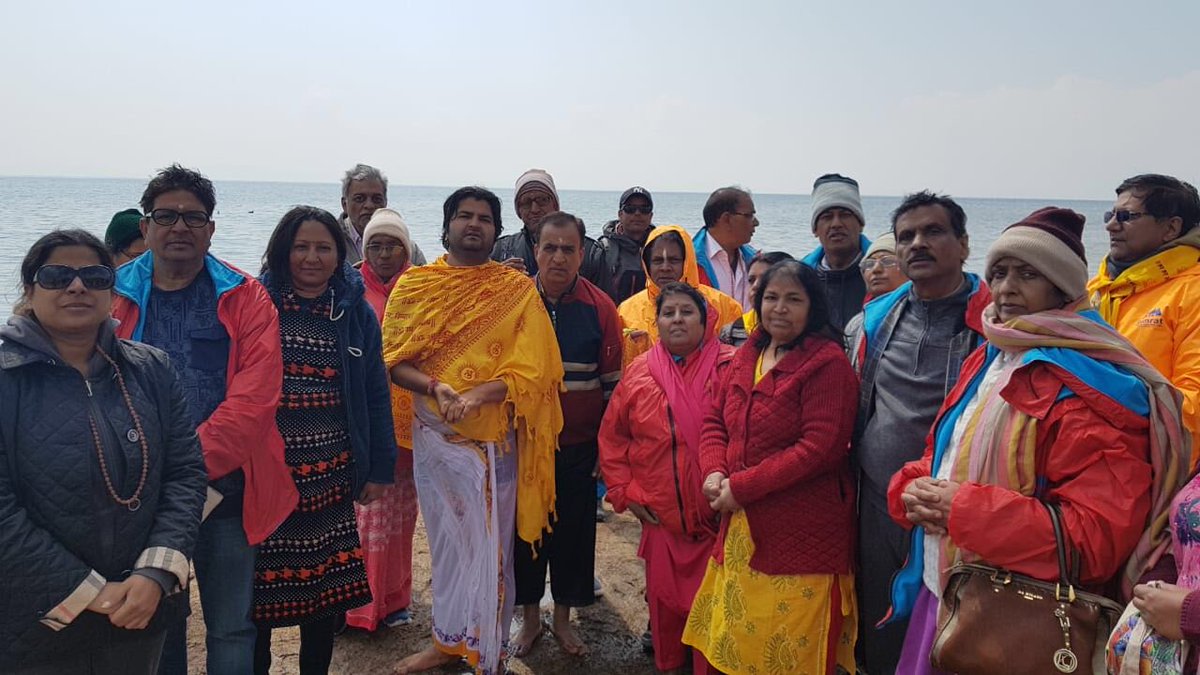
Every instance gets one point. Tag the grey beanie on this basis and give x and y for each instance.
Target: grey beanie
(834, 190)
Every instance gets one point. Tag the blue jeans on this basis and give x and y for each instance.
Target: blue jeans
(225, 573)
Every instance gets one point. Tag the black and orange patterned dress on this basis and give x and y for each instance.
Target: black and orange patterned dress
(312, 566)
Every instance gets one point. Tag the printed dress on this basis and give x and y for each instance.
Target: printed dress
(312, 566)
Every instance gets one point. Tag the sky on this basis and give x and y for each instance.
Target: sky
(1002, 99)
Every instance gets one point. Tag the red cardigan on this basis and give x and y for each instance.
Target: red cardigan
(785, 445)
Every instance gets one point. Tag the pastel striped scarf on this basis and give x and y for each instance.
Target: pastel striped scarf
(999, 444)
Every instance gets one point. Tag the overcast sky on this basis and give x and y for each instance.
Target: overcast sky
(999, 99)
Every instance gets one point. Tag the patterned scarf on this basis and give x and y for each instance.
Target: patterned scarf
(999, 445)
(471, 325)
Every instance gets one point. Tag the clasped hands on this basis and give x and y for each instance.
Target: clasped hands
(720, 497)
(129, 604)
(927, 503)
(454, 406)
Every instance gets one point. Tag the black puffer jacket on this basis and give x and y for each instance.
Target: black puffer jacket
(57, 520)
(623, 258)
(521, 245)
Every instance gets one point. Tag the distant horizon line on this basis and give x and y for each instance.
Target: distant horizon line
(619, 190)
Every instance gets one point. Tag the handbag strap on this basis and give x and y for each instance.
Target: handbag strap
(1068, 562)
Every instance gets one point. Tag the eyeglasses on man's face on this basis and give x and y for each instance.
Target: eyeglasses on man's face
(644, 210)
(168, 217)
(1123, 215)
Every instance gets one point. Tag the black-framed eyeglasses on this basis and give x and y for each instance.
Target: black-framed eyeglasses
(58, 277)
(886, 262)
(384, 249)
(644, 210)
(168, 217)
(1123, 216)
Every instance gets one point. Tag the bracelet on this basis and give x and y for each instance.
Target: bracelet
(433, 383)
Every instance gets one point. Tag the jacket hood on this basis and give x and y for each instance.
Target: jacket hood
(25, 342)
(691, 272)
(347, 284)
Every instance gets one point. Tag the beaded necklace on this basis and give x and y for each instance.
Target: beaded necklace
(134, 501)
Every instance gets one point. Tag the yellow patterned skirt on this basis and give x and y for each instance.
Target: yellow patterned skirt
(747, 622)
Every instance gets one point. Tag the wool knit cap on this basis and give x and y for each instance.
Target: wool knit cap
(535, 178)
(835, 190)
(1051, 241)
(388, 222)
(124, 227)
(885, 243)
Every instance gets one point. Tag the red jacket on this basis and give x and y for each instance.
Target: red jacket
(1094, 455)
(644, 459)
(785, 445)
(241, 433)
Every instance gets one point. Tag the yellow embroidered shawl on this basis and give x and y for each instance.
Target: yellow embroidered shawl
(471, 325)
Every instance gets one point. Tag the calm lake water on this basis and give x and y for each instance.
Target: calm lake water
(248, 211)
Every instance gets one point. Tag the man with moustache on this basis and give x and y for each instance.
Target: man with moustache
(837, 221)
(623, 240)
(472, 340)
(723, 249)
(1148, 286)
(589, 339)
(908, 350)
(364, 189)
(221, 330)
(535, 198)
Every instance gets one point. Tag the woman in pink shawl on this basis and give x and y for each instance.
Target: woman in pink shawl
(648, 453)
(386, 525)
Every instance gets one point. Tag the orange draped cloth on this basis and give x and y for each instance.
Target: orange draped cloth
(467, 326)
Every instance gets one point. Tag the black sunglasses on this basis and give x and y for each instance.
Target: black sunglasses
(1122, 216)
(644, 210)
(168, 217)
(58, 277)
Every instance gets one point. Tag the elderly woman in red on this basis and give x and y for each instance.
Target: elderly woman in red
(1056, 408)
(648, 445)
(778, 596)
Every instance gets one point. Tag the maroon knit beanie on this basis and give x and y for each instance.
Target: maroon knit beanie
(1064, 224)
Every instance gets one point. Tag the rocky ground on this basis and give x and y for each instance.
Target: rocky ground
(611, 627)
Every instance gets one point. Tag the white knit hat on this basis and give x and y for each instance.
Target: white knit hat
(388, 222)
(834, 190)
(535, 178)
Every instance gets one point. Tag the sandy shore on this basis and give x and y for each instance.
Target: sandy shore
(611, 627)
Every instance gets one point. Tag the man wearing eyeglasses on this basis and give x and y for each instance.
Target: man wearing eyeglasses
(837, 221)
(723, 249)
(535, 198)
(623, 240)
(1148, 286)
(364, 189)
(221, 331)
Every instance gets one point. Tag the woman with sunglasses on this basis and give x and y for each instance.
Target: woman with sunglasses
(335, 416)
(101, 477)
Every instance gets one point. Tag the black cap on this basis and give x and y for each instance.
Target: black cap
(636, 191)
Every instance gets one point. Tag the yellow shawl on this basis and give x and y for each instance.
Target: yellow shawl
(471, 325)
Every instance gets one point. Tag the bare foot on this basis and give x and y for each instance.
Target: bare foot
(565, 634)
(530, 633)
(427, 659)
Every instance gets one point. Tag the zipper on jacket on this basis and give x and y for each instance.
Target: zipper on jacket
(108, 540)
(675, 471)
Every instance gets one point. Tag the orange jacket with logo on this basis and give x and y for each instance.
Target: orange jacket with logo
(1156, 304)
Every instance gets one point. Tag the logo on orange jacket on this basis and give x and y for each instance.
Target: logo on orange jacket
(1153, 318)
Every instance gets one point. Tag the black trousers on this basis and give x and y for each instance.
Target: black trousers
(570, 550)
(316, 647)
(128, 657)
(882, 549)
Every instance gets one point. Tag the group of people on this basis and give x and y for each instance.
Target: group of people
(809, 444)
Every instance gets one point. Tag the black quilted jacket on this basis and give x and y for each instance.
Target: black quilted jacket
(57, 521)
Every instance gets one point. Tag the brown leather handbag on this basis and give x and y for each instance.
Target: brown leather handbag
(992, 621)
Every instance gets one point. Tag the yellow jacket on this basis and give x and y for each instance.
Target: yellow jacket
(638, 312)
(1156, 305)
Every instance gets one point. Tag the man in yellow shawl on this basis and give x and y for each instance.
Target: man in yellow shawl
(472, 339)
(668, 256)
